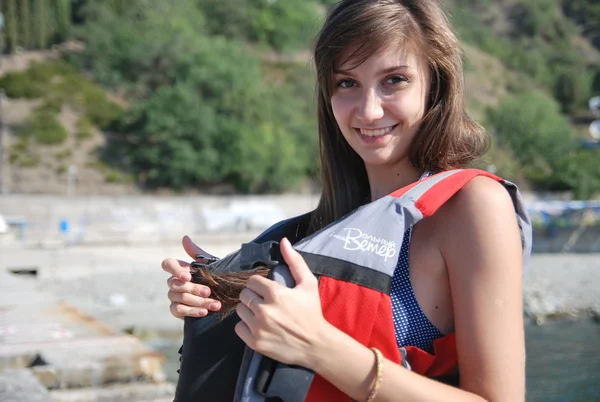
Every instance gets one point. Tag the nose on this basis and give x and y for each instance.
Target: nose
(370, 108)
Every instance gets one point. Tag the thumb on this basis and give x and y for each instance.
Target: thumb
(192, 249)
(296, 263)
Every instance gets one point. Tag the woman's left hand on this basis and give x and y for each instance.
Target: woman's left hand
(279, 322)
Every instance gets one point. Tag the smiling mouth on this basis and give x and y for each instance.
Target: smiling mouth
(378, 132)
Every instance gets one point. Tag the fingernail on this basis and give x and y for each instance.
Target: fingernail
(186, 277)
(205, 292)
(202, 312)
(214, 306)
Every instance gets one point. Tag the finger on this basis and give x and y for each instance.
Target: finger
(177, 285)
(242, 330)
(180, 311)
(246, 315)
(263, 287)
(296, 263)
(193, 250)
(250, 299)
(194, 301)
(177, 268)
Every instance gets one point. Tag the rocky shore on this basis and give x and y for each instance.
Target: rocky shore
(126, 288)
(562, 286)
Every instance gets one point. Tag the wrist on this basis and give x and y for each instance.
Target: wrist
(321, 346)
(344, 362)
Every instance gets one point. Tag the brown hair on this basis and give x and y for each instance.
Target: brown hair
(447, 137)
(226, 287)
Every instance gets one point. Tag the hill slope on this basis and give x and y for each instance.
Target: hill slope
(511, 47)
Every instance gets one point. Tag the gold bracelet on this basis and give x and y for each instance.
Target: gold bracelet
(378, 375)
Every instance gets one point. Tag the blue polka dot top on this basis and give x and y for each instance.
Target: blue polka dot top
(411, 325)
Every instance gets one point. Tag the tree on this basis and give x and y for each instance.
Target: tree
(141, 46)
(25, 17)
(204, 111)
(62, 10)
(283, 25)
(581, 171)
(586, 13)
(534, 16)
(11, 25)
(41, 22)
(572, 88)
(531, 126)
(596, 82)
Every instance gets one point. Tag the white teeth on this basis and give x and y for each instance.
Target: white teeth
(377, 132)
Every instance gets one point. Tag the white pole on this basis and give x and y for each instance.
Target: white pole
(71, 176)
(2, 181)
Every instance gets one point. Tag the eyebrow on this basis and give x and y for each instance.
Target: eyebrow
(382, 72)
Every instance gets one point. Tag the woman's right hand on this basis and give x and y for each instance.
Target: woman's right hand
(187, 298)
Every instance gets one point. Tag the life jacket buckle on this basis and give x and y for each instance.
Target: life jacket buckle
(254, 255)
(196, 265)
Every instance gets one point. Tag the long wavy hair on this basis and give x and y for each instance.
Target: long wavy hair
(447, 137)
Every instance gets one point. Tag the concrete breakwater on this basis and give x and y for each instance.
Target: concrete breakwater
(136, 220)
(142, 220)
(51, 351)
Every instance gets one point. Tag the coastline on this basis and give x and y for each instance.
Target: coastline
(565, 285)
(125, 287)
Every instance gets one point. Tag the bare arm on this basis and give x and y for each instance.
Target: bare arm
(486, 283)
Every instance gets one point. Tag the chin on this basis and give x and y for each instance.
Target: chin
(372, 159)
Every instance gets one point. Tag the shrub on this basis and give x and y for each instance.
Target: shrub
(18, 85)
(44, 128)
(98, 109)
(61, 169)
(84, 128)
(65, 153)
(23, 158)
(50, 105)
(572, 88)
(531, 127)
(580, 170)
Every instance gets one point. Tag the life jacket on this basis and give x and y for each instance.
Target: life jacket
(354, 259)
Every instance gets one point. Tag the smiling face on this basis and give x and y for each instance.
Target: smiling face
(379, 104)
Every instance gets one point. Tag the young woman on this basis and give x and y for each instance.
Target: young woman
(391, 111)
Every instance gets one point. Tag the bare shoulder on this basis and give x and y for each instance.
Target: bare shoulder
(482, 204)
(480, 216)
(481, 196)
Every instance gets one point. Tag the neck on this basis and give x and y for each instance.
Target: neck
(384, 180)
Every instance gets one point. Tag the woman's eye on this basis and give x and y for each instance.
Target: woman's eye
(345, 84)
(396, 79)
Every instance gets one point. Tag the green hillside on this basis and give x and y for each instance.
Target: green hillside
(217, 95)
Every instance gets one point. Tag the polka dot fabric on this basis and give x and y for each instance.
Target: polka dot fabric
(411, 325)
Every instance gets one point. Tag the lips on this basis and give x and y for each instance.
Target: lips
(376, 132)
